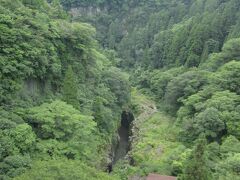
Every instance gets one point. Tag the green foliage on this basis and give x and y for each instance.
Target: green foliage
(157, 143)
(123, 170)
(9, 119)
(103, 116)
(224, 158)
(184, 53)
(183, 86)
(23, 137)
(209, 123)
(45, 57)
(155, 39)
(230, 51)
(118, 83)
(196, 167)
(157, 80)
(70, 88)
(228, 77)
(161, 33)
(13, 166)
(214, 114)
(63, 169)
(229, 167)
(178, 159)
(230, 145)
(16, 140)
(160, 42)
(62, 122)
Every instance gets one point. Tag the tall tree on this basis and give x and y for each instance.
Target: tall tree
(195, 167)
(70, 88)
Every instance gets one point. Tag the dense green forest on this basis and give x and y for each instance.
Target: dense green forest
(60, 95)
(70, 68)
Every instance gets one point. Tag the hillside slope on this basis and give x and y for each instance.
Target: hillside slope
(60, 95)
(184, 54)
(66, 72)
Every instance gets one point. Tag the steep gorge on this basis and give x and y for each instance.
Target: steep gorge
(64, 89)
(124, 133)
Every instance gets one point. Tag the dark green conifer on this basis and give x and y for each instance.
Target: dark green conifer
(70, 90)
(196, 167)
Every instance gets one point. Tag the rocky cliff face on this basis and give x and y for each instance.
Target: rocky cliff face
(89, 11)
